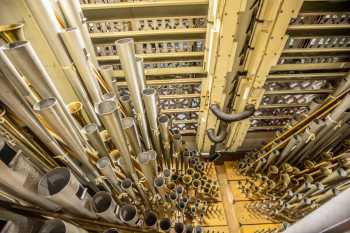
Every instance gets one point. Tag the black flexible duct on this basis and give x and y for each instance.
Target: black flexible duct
(216, 138)
(249, 110)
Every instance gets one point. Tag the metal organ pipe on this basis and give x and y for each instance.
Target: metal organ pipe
(49, 25)
(150, 99)
(141, 72)
(130, 130)
(105, 207)
(57, 225)
(106, 168)
(75, 46)
(165, 137)
(126, 52)
(107, 74)
(93, 135)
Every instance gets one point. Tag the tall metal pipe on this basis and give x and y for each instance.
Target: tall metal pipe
(75, 18)
(93, 135)
(106, 168)
(150, 99)
(57, 225)
(105, 207)
(150, 219)
(62, 187)
(108, 112)
(126, 185)
(24, 57)
(126, 52)
(10, 182)
(54, 116)
(49, 25)
(107, 74)
(165, 224)
(75, 46)
(329, 214)
(133, 136)
(159, 184)
(165, 137)
(177, 155)
(141, 72)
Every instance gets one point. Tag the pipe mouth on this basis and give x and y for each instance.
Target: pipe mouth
(106, 67)
(188, 228)
(90, 128)
(150, 218)
(109, 96)
(125, 98)
(190, 171)
(196, 183)
(45, 104)
(18, 44)
(171, 185)
(179, 227)
(106, 107)
(173, 196)
(144, 157)
(159, 182)
(165, 224)
(113, 230)
(126, 183)
(75, 107)
(163, 118)
(101, 201)
(152, 155)
(128, 122)
(54, 181)
(149, 91)
(53, 226)
(167, 173)
(182, 205)
(196, 175)
(198, 229)
(102, 163)
(185, 200)
(179, 189)
(187, 179)
(128, 212)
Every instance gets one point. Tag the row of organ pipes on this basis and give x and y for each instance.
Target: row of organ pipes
(108, 157)
(302, 177)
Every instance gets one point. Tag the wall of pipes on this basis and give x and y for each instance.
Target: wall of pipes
(105, 163)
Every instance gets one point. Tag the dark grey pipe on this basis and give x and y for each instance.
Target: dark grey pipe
(249, 110)
(217, 138)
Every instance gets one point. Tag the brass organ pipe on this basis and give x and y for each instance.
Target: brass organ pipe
(10, 181)
(75, 46)
(126, 52)
(133, 136)
(92, 133)
(47, 21)
(126, 104)
(54, 116)
(76, 110)
(165, 137)
(150, 99)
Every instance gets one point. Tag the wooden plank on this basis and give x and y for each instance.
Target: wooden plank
(260, 228)
(232, 171)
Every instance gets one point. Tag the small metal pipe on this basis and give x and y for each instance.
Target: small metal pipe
(132, 135)
(179, 227)
(128, 214)
(126, 52)
(150, 219)
(249, 111)
(148, 169)
(106, 168)
(126, 185)
(141, 72)
(107, 74)
(159, 184)
(165, 224)
(165, 137)
(126, 104)
(93, 135)
(105, 206)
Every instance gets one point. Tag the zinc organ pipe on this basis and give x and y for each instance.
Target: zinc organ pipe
(108, 112)
(92, 133)
(147, 168)
(76, 48)
(106, 168)
(165, 137)
(293, 142)
(133, 136)
(45, 17)
(15, 78)
(24, 57)
(126, 52)
(329, 214)
(249, 111)
(150, 99)
(141, 71)
(107, 74)
(53, 115)
(62, 187)
(57, 225)
(10, 182)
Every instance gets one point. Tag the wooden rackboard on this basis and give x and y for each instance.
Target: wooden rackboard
(232, 171)
(247, 216)
(260, 227)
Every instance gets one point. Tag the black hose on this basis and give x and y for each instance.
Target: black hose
(216, 138)
(249, 110)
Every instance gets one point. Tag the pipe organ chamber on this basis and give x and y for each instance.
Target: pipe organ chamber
(179, 116)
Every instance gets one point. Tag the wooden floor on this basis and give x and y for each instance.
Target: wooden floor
(237, 217)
